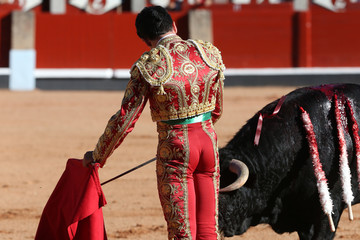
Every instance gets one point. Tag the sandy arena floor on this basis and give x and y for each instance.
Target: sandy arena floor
(40, 130)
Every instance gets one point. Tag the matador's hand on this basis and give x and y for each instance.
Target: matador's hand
(88, 159)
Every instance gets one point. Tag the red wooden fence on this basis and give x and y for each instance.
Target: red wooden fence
(266, 36)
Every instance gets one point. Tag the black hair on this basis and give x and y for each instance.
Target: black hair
(152, 22)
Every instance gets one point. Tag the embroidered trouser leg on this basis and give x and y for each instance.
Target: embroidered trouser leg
(188, 180)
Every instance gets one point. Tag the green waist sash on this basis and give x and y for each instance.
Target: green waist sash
(199, 118)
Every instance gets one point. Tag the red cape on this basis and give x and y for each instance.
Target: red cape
(73, 210)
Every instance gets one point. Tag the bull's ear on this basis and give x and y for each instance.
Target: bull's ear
(242, 172)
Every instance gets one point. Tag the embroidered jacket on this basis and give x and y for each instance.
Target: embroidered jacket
(180, 79)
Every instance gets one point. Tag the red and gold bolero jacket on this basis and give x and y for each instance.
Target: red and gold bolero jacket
(180, 79)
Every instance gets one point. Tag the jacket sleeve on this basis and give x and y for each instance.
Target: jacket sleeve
(123, 122)
(217, 112)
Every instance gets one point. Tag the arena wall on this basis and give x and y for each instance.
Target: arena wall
(253, 36)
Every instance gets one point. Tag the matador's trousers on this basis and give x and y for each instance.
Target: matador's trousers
(188, 179)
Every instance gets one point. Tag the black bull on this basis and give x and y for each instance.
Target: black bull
(281, 189)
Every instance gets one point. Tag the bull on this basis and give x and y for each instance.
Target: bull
(277, 179)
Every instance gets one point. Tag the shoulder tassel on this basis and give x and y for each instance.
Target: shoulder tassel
(161, 90)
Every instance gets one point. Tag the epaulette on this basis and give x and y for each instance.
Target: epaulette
(155, 66)
(210, 54)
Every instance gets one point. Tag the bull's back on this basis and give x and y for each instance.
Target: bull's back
(282, 178)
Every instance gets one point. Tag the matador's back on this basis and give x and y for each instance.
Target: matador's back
(185, 78)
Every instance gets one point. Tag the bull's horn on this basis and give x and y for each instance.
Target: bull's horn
(241, 170)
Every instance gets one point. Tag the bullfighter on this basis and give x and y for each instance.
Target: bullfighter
(183, 81)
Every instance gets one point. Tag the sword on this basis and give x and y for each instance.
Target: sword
(129, 171)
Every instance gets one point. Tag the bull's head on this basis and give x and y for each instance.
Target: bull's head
(242, 172)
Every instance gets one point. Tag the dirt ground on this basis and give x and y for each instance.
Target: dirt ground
(40, 130)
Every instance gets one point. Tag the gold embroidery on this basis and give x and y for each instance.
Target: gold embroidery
(168, 40)
(118, 124)
(182, 85)
(134, 72)
(195, 89)
(156, 66)
(186, 165)
(161, 98)
(172, 183)
(188, 68)
(161, 90)
(211, 55)
(216, 174)
(165, 152)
